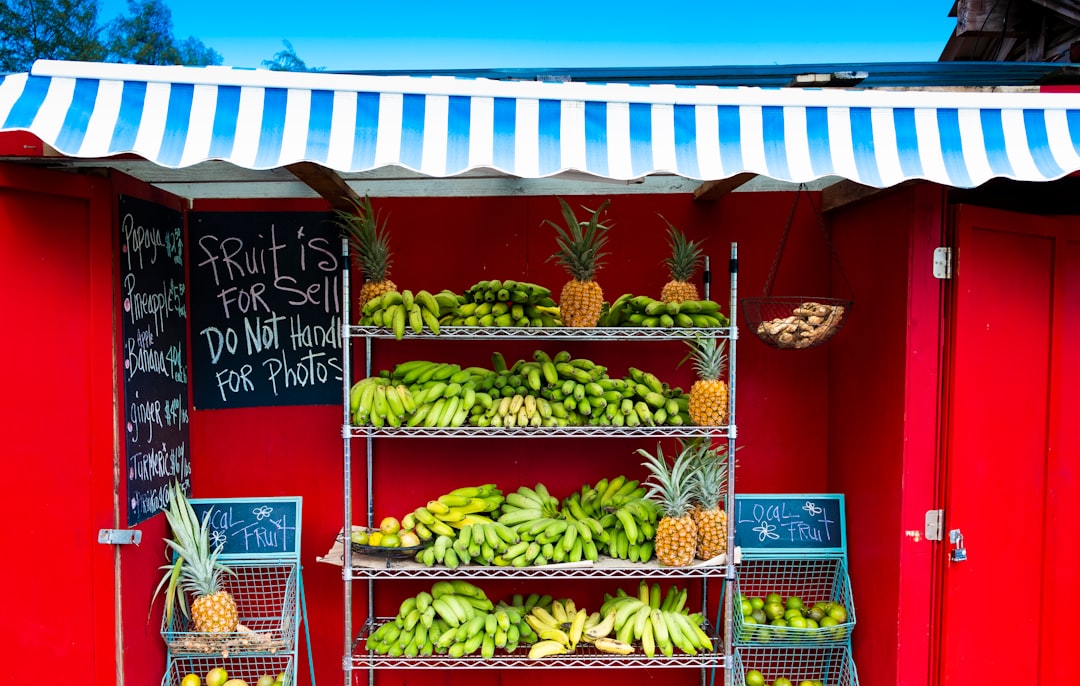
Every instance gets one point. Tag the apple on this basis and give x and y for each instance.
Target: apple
(390, 525)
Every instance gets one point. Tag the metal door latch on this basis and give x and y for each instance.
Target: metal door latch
(959, 552)
(119, 536)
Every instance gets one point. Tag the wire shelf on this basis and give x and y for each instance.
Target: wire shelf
(266, 601)
(811, 580)
(832, 665)
(366, 567)
(577, 333)
(246, 667)
(538, 431)
(584, 656)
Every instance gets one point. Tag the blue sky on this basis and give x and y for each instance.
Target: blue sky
(419, 34)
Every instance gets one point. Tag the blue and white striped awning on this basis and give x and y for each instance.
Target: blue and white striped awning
(441, 126)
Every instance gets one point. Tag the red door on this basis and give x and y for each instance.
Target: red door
(56, 372)
(1011, 472)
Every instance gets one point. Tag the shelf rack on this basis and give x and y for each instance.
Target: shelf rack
(609, 333)
(722, 653)
(582, 657)
(538, 431)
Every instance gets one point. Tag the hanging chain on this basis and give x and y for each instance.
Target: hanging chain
(828, 241)
(783, 241)
(787, 231)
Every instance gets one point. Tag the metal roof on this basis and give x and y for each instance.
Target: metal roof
(878, 74)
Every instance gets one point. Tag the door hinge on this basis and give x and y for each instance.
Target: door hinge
(932, 530)
(942, 263)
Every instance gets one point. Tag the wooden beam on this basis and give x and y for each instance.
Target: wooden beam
(712, 190)
(326, 183)
(1066, 10)
(847, 192)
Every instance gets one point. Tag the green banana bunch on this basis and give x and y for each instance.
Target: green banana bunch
(395, 311)
(545, 391)
(644, 311)
(504, 304)
(626, 518)
(379, 402)
(659, 622)
(456, 618)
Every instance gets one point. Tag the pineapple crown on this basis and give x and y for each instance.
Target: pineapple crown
(709, 356)
(195, 568)
(579, 242)
(368, 238)
(670, 485)
(710, 473)
(685, 254)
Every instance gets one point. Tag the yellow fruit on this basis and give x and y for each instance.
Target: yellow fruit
(191, 680)
(359, 537)
(409, 539)
(755, 678)
(266, 680)
(390, 525)
(375, 538)
(236, 682)
(217, 677)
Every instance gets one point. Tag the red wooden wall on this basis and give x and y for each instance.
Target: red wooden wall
(883, 438)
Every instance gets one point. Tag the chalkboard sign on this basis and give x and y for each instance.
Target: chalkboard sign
(265, 309)
(253, 527)
(790, 523)
(154, 350)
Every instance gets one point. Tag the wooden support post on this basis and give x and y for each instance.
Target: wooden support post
(326, 183)
(712, 190)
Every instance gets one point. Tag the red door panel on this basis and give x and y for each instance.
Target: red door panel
(1007, 371)
(56, 367)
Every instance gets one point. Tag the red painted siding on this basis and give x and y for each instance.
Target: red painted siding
(882, 423)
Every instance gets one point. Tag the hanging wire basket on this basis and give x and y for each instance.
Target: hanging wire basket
(797, 322)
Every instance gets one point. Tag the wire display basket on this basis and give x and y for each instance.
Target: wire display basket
(266, 603)
(811, 581)
(795, 322)
(250, 668)
(827, 665)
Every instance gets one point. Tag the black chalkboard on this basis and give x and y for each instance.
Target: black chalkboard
(790, 523)
(265, 309)
(154, 352)
(253, 527)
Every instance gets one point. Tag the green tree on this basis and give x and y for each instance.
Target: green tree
(287, 60)
(145, 36)
(48, 29)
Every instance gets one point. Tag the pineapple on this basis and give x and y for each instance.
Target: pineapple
(371, 243)
(671, 487)
(196, 570)
(709, 394)
(710, 486)
(684, 261)
(579, 244)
